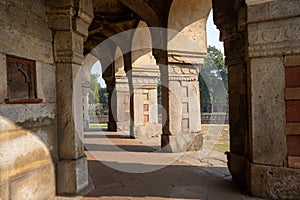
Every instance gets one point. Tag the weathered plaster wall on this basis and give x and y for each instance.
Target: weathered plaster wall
(28, 143)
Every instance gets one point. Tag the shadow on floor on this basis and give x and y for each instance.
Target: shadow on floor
(122, 148)
(174, 181)
(178, 180)
(106, 136)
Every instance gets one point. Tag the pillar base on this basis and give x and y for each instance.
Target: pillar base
(265, 181)
(272, 182)
(239, 167)
(145, 131)
(72, 176)
(123, 126)
(111, 126)
(181, 142)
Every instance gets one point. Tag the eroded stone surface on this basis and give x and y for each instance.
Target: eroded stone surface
(274, 182)
(268, 123)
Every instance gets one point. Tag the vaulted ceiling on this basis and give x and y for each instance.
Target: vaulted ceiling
(115, 16)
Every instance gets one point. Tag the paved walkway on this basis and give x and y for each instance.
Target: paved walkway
(123, 168)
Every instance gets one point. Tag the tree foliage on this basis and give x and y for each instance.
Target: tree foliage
(97, 95)
(94, 89)
(213, 79)
(103, 100)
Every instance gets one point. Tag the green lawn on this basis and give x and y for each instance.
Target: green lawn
(216, 137)
(98, 126)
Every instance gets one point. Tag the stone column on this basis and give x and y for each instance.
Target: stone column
(70, 24)
(112, 103)
(261, 44)
(85, 105)
(122, 108)
(144, 102)
(225, 17)
(181, 99)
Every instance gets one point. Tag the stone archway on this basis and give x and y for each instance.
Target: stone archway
(262, 54)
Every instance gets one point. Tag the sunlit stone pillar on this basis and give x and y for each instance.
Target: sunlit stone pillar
(85, 104)
(181, 131)
(122, 108)
(144, 102)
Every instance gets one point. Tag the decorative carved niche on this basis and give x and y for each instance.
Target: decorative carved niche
(21, 80)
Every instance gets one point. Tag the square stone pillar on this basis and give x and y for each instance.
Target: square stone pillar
(122, 107)
(259, 53)
(181, 99)
(69, 22)
(85, 105)
(144, 105)
(112, 102)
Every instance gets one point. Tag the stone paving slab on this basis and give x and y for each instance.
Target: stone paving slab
(186, 177)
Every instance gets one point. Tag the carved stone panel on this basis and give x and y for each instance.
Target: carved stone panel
(21, 79)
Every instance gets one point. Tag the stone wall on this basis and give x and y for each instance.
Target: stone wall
(28, 145)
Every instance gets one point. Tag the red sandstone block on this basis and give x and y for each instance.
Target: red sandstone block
(292, 76)
(293, 129)
(146, 119)
(292, 111)
(292, 93)
(293, 145)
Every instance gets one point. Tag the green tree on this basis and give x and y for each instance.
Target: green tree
(103, 100)
(94, 89)
(213, 79)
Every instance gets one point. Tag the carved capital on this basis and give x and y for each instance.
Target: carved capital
(183, 72)
(271, 38)
(68, 47)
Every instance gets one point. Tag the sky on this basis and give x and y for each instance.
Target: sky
(213, 34)
(212, 39)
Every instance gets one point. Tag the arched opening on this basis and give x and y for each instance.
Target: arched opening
(98, 111)
(42, 119)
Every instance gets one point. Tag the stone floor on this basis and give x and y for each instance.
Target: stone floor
(122, 168)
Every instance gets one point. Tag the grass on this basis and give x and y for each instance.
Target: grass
(216, 137)
(98, 126)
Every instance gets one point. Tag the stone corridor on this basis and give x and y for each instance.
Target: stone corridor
(185, 178)
(47, 49)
